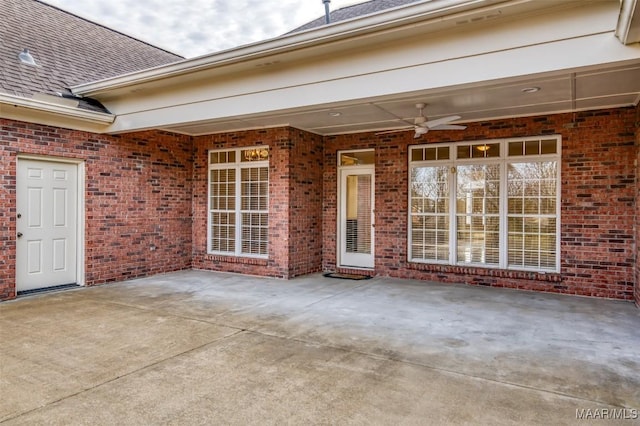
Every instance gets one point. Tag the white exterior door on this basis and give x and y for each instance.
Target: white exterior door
(356, 226)
(46, 224)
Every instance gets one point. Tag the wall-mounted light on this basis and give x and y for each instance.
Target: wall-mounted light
(256, 154)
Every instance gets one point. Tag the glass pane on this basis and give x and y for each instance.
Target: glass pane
(222, 157)
(486, 150)
(223, 232)
(464, 151)
(478, 240)
(548, 226)
(478, 208)
(547, 206)
(417, 154)
(532, 195)
(549, 146)
(515, 206)
(431, 153)
(356, 158)
(254, 233)
(516, 225)
(531, 147)
(515, 148)
(430, 213)
(443, 153)
(429, 189)
(254, 188)
(358, 220)
(430, 237)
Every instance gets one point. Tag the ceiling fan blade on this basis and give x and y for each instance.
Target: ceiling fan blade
(439, 121)
(448, 127)
(393, 115)
(393, 131)
(420, 130)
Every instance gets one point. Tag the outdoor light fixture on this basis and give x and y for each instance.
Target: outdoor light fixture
(256, 154)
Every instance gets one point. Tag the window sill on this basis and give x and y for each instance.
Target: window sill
(236, 259)
(474, 270)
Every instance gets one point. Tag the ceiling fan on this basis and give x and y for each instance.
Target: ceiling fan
(422, 126)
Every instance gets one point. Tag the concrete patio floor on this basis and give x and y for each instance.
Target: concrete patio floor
(198, 347)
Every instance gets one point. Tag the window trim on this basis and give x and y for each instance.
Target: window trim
(503, 159)
(237, 165)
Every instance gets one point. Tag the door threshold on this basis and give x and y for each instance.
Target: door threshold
(47, 289)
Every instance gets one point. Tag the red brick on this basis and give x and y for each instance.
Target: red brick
(138, 199)
(150, 189)
(598, 183)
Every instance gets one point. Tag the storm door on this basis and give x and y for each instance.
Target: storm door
(356, 212)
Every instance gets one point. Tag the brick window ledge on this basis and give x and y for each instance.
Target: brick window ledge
(236, 259)
(474, 270)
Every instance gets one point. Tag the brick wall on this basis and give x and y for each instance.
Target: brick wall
(295, 203)
(138, 199)
(295, 191)
(305, 200)
(637, 221)
(598, 203)
(146, 201)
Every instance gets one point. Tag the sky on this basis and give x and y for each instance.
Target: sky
(196, 27)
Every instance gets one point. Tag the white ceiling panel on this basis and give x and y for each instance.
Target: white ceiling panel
(622, 81)
(607, 101)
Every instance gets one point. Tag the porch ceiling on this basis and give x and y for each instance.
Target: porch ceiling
(559, 92)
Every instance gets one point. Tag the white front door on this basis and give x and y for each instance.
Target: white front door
(46, 224)
(356, 226)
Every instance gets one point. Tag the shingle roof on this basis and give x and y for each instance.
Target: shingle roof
(68, 50)
(354, 11)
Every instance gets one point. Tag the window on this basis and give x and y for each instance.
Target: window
(493, 204)
(239, 201)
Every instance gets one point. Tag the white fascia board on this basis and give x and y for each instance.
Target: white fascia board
(37, 111)
(588, 52)
(628, 29)
(341, 30)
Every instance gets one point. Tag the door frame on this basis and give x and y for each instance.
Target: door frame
(341, 210)
(80, 222)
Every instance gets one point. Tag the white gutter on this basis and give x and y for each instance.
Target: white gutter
(394, 17)
(10, 102)
(628, 29)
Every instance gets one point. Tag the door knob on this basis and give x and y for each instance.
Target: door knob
(19, 234)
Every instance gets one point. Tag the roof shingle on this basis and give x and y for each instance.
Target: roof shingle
(69, 50)
(354, 11)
